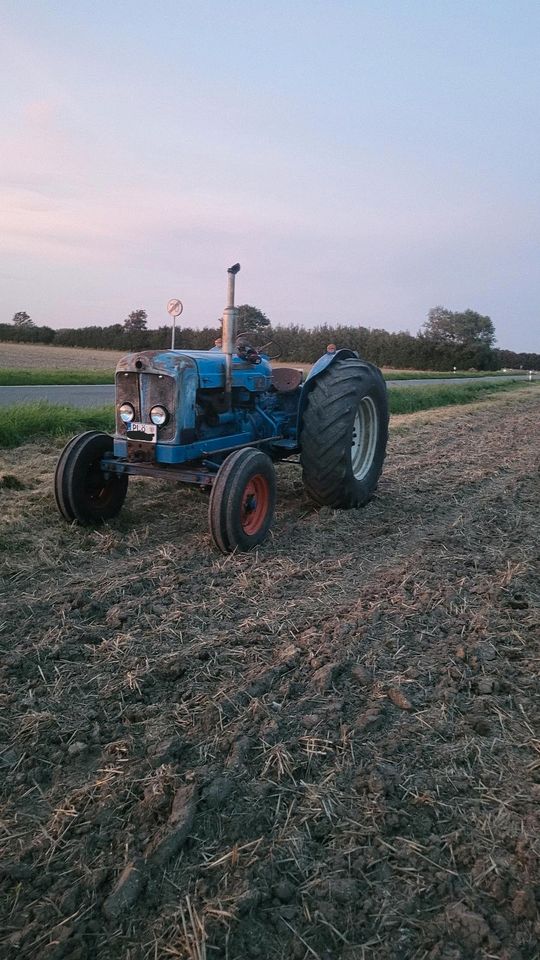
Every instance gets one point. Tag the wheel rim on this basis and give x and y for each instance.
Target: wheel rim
(98, 490)
(364, 438)
(255, 504)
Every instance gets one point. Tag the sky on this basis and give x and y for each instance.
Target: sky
(363, 160)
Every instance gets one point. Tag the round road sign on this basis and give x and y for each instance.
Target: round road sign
(175, 307)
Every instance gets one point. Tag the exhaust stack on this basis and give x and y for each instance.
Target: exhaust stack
(228, 331)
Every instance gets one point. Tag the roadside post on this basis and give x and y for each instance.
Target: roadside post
(174, 309)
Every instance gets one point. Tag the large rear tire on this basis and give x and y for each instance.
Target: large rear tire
(82, 490)
(344, 434)
(242, 500)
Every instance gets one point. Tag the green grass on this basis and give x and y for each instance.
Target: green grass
(25, 378)
(28, 378)
(411, 399)
(448, 375)
(27, 421)
(22, 422)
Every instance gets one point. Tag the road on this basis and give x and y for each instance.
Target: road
(76, 395)
(97, 396)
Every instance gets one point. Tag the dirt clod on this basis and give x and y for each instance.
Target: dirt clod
(77, 747)
(285, 891)
(169, 840)
(399, 699)
(324, 676)
(360, 674)
(168, 751)
(127, 889)
(343, 889)
(218, 791)
(485, 685)
(524, 904)
(469, 928)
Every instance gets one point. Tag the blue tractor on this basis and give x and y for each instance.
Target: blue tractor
(219, 419)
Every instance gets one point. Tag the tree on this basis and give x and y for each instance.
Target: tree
(136, 322)
(250, 318)
(463, 329)
(22, 319)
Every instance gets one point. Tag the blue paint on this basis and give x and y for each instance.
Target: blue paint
(193, 383)
(325, 361)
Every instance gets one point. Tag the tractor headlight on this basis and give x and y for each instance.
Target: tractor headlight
(126, 412)
(159, 416)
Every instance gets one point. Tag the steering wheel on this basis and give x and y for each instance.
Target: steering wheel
(252, 338)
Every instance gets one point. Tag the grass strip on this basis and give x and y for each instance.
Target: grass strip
(22, 422)
(27, 421)
(449, 375)
(28, 378)
(12, 377)
(412, 399)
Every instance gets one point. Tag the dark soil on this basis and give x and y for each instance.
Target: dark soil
(327, 749)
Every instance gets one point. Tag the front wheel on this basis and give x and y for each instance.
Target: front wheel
(242, 500)
(344, 434)
(83, 491)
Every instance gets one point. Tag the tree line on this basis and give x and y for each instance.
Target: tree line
(465, 340)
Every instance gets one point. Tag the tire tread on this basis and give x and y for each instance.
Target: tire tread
(325, 448)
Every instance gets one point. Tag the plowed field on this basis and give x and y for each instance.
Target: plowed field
(329, 749)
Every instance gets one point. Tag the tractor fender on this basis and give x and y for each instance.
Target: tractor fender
(319, 367)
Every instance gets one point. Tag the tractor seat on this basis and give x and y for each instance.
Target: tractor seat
(286, 379)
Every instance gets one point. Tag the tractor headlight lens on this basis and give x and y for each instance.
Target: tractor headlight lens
(159, 416)
(126, 412)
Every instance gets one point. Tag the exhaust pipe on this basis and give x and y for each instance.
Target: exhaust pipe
(228, 332)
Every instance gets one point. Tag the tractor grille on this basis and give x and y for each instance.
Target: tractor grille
(127, 391)
(158, 389)
(144, 391)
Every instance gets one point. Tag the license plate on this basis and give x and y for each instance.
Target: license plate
(142, 431)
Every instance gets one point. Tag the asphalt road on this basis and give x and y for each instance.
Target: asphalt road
(75, 395)
(97, 396)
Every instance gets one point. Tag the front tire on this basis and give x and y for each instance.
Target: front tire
(344, 434)
(83, 491)
(242, 500)
(60, 486)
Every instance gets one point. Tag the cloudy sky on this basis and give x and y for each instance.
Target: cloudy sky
(364, 160)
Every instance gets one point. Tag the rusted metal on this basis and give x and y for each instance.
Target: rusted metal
(127, 391)
(141, 451)
(150, 379)
(199, 476)
(286, 379)
(155, 391)
(229, 323)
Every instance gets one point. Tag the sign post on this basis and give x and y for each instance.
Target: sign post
(174, 309)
